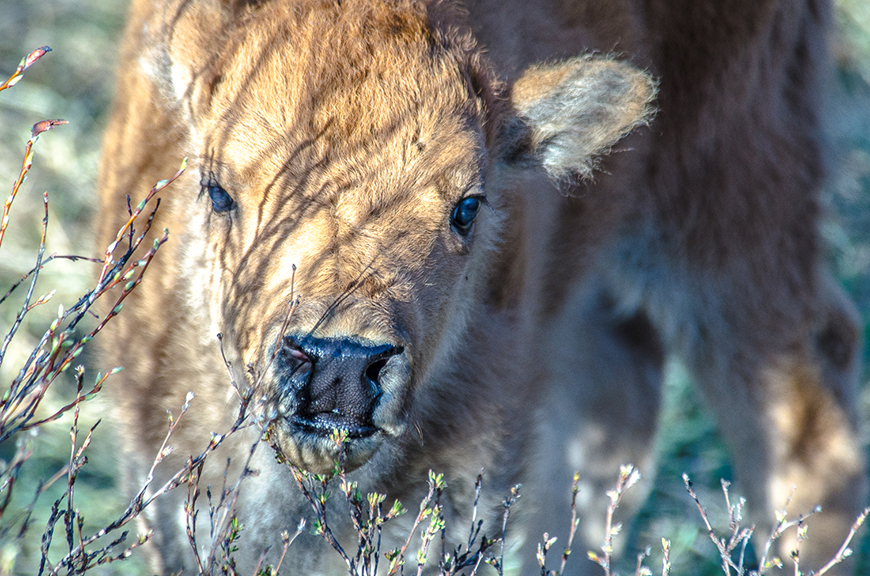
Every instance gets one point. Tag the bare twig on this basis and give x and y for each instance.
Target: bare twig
(26, 165)
(666, 557)
(628, 476)
(844, 551)
(58, 346)
(77, 555)
(575, 488)
(25, 63)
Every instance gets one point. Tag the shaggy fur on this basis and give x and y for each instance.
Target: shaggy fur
(346, 134)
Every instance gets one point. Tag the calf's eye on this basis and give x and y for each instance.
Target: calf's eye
(221, 200)
(464, 214)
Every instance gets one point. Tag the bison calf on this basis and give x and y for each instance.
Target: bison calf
(467, 299)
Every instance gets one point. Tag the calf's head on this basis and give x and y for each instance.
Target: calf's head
(353, 154)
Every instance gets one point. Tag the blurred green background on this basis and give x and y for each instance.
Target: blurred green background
(74, 82)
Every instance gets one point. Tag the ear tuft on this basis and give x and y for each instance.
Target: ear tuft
(570, 112)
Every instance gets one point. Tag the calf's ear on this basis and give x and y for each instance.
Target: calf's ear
(567, 114)
(182, 40)
(194, 36)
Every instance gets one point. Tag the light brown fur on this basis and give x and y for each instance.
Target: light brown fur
(346, 132)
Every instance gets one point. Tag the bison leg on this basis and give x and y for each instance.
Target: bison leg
(785, 398)
(600, 412)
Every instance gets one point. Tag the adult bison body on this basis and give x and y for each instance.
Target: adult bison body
(467, 300)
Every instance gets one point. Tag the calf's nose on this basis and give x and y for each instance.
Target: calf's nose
(336, 382)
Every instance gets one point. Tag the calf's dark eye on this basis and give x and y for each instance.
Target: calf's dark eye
(221, 200)
(464, 214)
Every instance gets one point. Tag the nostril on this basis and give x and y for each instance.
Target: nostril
(299, 355)
(373, 372)
(293, 350)
(296, 359)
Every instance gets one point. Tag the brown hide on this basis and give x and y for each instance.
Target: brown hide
(708, 230)
(343, 137)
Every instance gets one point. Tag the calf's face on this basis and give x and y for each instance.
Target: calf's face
(352, 156)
